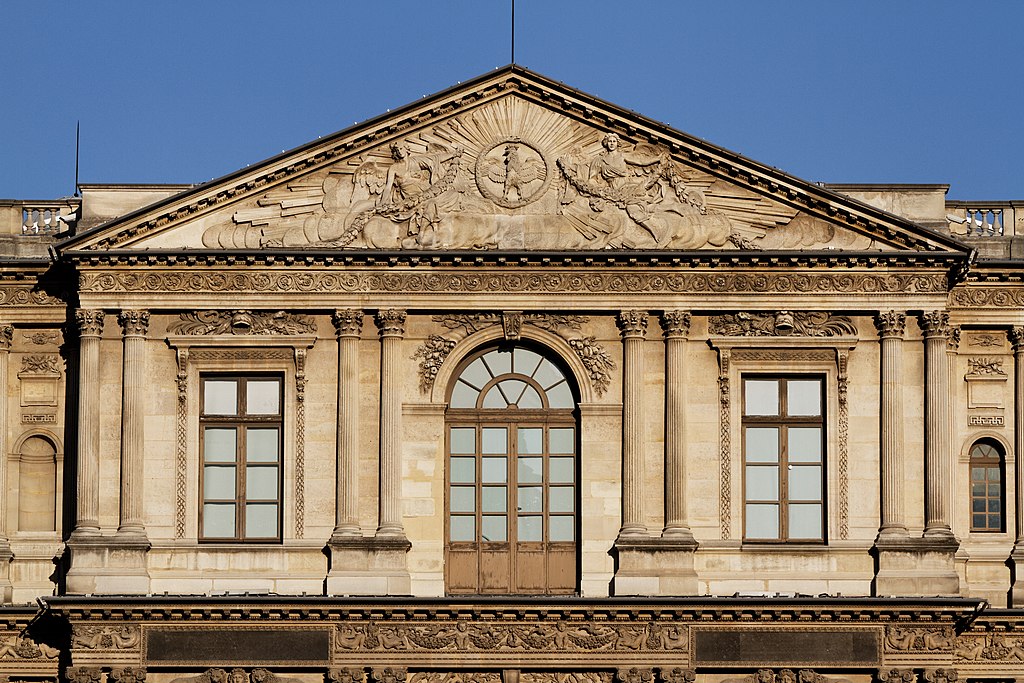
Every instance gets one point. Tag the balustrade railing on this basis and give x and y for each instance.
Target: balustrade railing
(38, 217)
(985, 220)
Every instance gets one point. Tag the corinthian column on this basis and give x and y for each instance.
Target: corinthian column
(349, 325)
(133, 441)
(676, 325)
(891, 326)
(391, 326)
(1017, 339)
(937, 434)
(90, 327)
(6, 337)
(633, 325)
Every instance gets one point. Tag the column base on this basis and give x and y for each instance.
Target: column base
(916, 566)
(108, 564)
(1017, 587)
(654, 566)
(368, 566)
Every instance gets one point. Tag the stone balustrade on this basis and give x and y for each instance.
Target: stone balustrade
(985, 220)
(43, 217)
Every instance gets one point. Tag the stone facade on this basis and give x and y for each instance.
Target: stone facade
(362, 317)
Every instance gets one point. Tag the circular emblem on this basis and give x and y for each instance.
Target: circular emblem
(512, 173)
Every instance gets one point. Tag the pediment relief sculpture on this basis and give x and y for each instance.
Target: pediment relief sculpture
(513, 175)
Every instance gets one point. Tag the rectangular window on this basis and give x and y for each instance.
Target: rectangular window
(240, 427)
(783, 459)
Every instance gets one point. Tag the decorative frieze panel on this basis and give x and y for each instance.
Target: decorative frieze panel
(123, 637)
(901, 639)
(457, 677)
(565, 677)
(986, 382)
(482, 281)
(27, 296)
(243, 322)
(235, 675)
(990, 648)
(19, 647)
(781, 323)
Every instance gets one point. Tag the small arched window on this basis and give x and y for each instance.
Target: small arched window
(37, 482)
(986, 464)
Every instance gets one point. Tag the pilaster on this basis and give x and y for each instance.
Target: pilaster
(90, 327)
(6, 337)
(1017, 554)
(134, 325)
(349, 326)
(938, 430)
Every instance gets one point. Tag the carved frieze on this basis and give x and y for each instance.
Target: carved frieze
(986, 340)
(40, 364)
(808, 324)
(455, 677)
(242, 322)
(903, 639)
(235, 675)
(27, 296)
(985, 367)
(557, 637)
(41, 338)
(483, 281)
(121, 637)
(565, 677)
(23, 647)
(988, 297)
(784, 676)
(993, 647)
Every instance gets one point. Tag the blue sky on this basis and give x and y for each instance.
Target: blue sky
(911, 91)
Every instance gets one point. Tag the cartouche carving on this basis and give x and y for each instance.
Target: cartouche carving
(242, 322)
(42, 338)
(40, 365)
(512, 173)
(105, 637)
(985, 366)
(808, 324)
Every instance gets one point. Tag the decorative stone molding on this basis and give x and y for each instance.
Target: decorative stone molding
(677, 675)
(89, 322)
(83, 674)
(843, 457)
(23, 647)
(992, 647)
(496, 281)
(896, 676)
(511, 325)
(235, 675)
(242, 322)
(300, 442)
(891, 323)
(985, 366)
(934, 323)
(134, 323)
(122, 637)
(128, 674)
(390, 322)
(27, 296)
(809, 324)
(985, 421)
(181, 442)
(565, 677)
(724, 444)
(596, 360)
(350, 675)
(389, 675)
(782, 676)
(902, 639)
(468, 323)
(986, 340)
(986, 297)
(47, 365)
(6, 336)
(348, 322)
(675, 323)
(456, 677)
(634, 675)
(41, 338)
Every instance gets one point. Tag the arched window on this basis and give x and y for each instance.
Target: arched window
(986, 463)
(512, 501)
(37, 485)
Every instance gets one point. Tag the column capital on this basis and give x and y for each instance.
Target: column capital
(6, 337)
(89, 321)
(1016, 336)
(348, 322)
(128, 674)
(133, 323)
(953, 337)
(675, 324)
(940, 675)
(635, 675)
(389, 674)
(891, 323)
(390, 322)
(633, 323)
(896, 676)
(934, 323)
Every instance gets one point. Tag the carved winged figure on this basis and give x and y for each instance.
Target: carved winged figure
(514, 172)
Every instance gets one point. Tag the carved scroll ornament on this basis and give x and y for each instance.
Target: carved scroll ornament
(560, 636)
(455, 677)
(243, 323)
(808, 324)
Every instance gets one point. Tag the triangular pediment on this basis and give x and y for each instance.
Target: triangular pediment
(513, 162)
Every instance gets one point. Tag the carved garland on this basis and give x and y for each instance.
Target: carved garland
(725, 444)
(843, 380)
(300, 442)
(433, 352)
(242, 322)
(587, 283)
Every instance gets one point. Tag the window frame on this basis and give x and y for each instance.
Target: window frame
(241, 422)
(997, 462)
(783, 464)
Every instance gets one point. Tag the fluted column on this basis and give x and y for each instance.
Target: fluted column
(6, 337)
(1017, 339)
(391, 326)
(891, 327)
(937, 433)
(90, 327)
(633, 325)
(349, 325)
(134, 325)
(675, 325)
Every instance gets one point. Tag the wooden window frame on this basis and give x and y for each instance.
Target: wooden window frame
(240, 421)
(995, 462)
(783, 422)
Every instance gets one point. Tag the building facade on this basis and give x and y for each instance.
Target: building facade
(512, 384)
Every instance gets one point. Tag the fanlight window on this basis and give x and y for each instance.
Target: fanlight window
(512, 476)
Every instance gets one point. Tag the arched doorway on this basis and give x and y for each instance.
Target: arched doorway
(512, 472)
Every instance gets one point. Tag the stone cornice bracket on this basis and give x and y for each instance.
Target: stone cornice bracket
(675, 324)
(934, 323)
(128, 674)
(346, 676)
(389, 675)
(6, 337)
(896, 676)
(348, 322)
(677, 675)
(891, 323)
(632, 323)
(134, 323)
(511, 325)
(89, 322)
(390, 322)
(634, 675)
